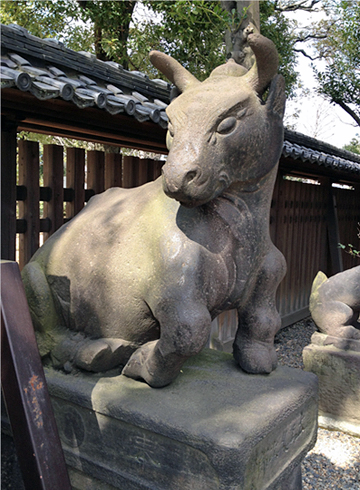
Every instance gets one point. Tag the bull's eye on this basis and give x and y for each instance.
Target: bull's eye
(227, 125)
(169, 140)
(169, 136)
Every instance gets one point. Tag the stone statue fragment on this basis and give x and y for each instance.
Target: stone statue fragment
(335, 308)
(136, 278)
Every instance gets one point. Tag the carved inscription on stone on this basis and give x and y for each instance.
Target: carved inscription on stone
(124, 449)
(271, 456)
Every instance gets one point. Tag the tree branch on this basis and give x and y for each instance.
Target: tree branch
(306, 55)
(310, 36)
(297, 6)
(348, 110)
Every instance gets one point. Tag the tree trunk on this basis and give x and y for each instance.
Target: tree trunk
(100, 53)
(248, 12)
(123, 30)
(120, 29)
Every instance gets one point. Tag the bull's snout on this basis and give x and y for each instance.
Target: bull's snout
(180, 185)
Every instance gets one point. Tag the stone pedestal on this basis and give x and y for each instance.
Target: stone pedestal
(215, 427)
(336, 362)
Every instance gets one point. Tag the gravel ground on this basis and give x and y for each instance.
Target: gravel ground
(334, 462)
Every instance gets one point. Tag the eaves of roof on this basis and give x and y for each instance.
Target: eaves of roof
(47, 69)
(298, 146)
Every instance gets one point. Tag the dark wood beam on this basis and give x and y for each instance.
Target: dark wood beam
(8, 188)
(27, 399)
(62, 118)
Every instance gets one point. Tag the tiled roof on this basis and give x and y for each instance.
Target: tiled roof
(301, 147)
(47, 69)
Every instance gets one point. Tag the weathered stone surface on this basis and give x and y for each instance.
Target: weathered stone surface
(335, 305)
(214, 427)
(338, 371)
(136, 278)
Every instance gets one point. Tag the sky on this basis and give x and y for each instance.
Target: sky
(317, 117)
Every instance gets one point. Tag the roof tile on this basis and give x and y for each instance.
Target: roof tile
(48, 69)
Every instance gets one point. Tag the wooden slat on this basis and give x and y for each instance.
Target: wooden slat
(288, 231)
(298, 303)
(334, 234)
(113, 170)
(349, 222)
(280, 238)
(54, 179)
(142, 174)
(128, 171)
(299, 234)
(293, 188)
(95, 175)
(305, 247)
(155, 169)
(75, 179)
(8, 190)
(29, 209)
(25, 391)
(273, 214)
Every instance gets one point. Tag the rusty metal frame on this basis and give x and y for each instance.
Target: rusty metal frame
(26, 396)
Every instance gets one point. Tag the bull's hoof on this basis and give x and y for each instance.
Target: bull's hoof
(255, 357)
(93, 355)
(345, 332)
(138, 367)
(103, 354)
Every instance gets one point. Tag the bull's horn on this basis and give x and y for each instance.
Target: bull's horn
(267, 61)
(172, 69)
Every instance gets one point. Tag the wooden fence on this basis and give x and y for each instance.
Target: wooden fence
(307, 220)
(302, 223)
(86, 173)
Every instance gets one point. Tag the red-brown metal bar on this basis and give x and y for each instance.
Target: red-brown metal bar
(27, 400)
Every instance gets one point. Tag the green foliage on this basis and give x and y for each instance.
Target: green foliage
(47, 19)
(192, 32)
(350, 249)
(340, 80)
(111, 21)
(279, 29)
(353, 146)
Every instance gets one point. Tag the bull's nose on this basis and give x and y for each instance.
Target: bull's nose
(190, 176)
(180, 184)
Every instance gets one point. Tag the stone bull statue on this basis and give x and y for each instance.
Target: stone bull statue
(335, 304)
(136, 278)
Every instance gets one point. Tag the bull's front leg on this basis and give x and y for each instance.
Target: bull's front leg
(259, 319)
(184, 332)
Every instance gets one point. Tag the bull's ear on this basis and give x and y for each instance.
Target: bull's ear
(172, 69)
(275, 101)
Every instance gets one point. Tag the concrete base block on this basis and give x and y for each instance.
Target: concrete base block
(215, 427)
(338, 371)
